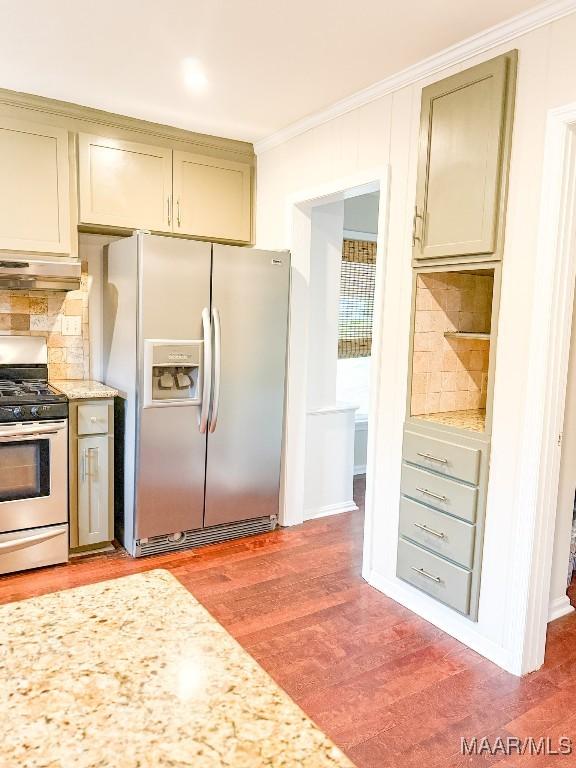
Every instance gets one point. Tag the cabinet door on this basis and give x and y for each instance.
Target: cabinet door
(124, 184)
(460, 166)
(34, 187)
(212, 197)
(93, 485)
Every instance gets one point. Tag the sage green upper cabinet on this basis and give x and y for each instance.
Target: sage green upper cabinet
(212, 197)
(137, 186)
(124, 184)
(465, 132)
(34, 187)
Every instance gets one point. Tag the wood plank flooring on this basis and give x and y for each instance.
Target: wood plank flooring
(389, 688)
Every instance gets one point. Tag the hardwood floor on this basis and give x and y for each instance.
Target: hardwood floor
(389, 688)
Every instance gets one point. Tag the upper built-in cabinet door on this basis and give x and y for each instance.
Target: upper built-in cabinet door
(212, 197)
(463, 162)
(34, 187)
(124, 184)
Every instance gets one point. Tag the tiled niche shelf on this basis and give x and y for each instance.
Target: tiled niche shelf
(466, 335)
(451, 347)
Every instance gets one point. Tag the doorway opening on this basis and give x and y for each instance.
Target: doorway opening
(355, 323)
(342, 286)
(337, 245)
(563, 577)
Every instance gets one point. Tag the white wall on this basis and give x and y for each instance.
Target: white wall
(324, 287)
(329, 475)
(353, 386)
(386, 131)
(329, 426)
(361, 216)
(360, 446)
(353, 383)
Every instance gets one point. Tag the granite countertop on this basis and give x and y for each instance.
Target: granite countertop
(83, 390)
(474, 420)
(135, 672)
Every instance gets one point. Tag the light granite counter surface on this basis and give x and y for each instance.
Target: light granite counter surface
(135, 672)
(473, 420)
(83, 390)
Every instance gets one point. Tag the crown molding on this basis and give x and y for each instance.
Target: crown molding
(455, 54)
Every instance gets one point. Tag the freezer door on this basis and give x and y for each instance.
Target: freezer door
(174, 292)
(250, 321)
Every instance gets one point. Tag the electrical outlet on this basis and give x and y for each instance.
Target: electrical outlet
(71, 326)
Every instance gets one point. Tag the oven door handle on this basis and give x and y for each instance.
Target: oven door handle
(35, 431)
(22, 437)
(14, 544)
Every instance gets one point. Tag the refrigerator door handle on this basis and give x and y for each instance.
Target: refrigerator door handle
(207, 378)
(217, 368)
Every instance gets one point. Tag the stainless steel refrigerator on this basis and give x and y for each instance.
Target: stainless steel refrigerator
(195, 340)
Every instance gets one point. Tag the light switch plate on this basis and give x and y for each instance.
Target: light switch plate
(71, 326)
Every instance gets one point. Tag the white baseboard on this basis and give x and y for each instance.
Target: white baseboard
(330, 509)
(443, 618)
(559, 607)
(359, 469)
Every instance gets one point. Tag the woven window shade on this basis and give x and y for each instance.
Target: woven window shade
(357, 283)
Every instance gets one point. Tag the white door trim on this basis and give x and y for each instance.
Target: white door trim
(549, 334)
(299, 230)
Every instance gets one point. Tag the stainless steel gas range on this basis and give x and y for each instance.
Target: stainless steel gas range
(33, 459)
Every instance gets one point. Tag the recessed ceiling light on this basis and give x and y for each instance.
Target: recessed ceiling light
(193, 75)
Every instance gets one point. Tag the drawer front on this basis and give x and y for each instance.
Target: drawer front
(447, 495)
(92, 419)
(442, 456)
(437, 577)
(441, 533)
(33, 548)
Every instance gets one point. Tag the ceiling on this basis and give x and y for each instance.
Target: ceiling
(361, 213)
(268, 63)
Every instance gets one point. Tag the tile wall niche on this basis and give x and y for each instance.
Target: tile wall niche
(450, 374)
(61, 317)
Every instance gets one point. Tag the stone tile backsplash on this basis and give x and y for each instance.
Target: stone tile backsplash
(61, 317)
(450, 374)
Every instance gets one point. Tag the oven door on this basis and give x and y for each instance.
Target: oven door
(33, 475)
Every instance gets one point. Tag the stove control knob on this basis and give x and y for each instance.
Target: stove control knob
(36, 410)
(17, 412)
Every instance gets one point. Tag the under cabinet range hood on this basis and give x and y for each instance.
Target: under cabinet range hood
(17, 273)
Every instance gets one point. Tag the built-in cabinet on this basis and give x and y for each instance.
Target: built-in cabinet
(458, 239)
(138, 186)
(124, 184)
(442, 511)
(211, 197)
(465, 137)
(34, 187)
(446, 449)
(65, 167)
(91, 473)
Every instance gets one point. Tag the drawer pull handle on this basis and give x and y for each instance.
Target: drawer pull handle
(422, 572)
(425, 528)
(426, 492)
(432, 458)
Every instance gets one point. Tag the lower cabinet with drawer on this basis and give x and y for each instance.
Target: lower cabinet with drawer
(91, 473)
(443, 499)
(442, 534)
(443, 580)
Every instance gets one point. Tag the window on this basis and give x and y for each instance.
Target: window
(357, 283)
